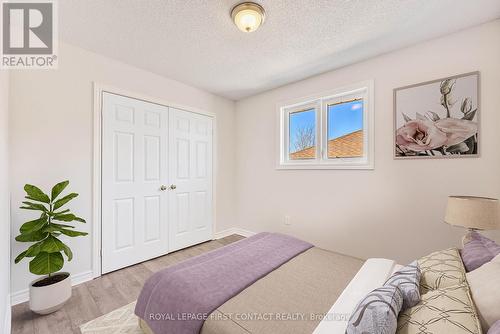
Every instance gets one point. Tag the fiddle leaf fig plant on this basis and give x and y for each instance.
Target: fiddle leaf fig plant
(45, 231)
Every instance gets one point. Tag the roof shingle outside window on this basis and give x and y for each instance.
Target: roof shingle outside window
(347, 146)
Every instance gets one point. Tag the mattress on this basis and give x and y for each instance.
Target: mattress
(372, 275)
(292, 299)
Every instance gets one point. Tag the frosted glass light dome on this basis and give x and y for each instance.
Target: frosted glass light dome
(248, 16)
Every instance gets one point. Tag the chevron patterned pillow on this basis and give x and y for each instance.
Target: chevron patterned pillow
(441, 311)
(441, 269)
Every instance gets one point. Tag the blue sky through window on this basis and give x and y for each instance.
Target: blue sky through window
(344, 118)
(298, 122)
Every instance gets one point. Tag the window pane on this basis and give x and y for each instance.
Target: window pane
(302, 135)
(345, 129)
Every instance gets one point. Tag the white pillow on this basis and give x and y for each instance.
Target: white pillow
(484, 284)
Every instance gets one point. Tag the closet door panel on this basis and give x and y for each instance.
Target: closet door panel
(134, 224)
(190, 162)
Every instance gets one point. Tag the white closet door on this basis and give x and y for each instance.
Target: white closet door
(190, 170)
(134, 167)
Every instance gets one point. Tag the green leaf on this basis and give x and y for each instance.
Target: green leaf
(33, 199)
(36, 193)
(28, 208)
(60, 212)
(34, 249)
(20, 256)
(58, 226)
(58, 188)
(64, 200)
(69, 217)
(81, 220)
(54, 228)
(30, 252)
(50, 229)
(51, 245)
(68, 252)
(33, 225)
(31, 237)
(34, 206)
(70, 233)
(46, 263)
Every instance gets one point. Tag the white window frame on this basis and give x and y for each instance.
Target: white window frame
(320, 102)
(288, 110)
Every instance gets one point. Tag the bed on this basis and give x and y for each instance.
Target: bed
(315, 291)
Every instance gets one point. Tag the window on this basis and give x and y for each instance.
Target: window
(302, 134)
(345, 129)
(333, 131)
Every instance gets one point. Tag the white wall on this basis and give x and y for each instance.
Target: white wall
(51, 137)
(4, 205)
(395, 211)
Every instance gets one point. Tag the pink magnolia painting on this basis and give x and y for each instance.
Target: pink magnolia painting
(438, 119)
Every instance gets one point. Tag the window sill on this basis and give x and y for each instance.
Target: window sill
(290, 166)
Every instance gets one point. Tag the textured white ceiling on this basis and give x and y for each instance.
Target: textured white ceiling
(195, 41)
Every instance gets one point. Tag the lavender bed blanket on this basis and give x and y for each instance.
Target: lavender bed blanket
(178, 299)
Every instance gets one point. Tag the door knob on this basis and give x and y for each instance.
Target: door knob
(163, 187)
(173, 187)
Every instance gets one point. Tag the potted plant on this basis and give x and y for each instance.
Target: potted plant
(50, 292)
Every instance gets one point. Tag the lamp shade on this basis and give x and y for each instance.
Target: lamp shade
(480, 213)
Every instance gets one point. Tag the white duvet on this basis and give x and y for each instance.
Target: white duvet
(372, 275)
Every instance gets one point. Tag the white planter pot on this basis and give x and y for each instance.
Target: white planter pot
(50, 298)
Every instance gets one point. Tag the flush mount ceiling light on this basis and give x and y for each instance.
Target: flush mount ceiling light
(248, 16)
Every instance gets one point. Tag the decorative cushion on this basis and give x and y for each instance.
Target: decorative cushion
(495, 329)
(441, 269)
(484, 285)
(408, 281)
(377, 313)
(478, 251)
(492, 246)
(444, 310)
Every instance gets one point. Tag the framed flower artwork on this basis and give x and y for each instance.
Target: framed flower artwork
(438, 119)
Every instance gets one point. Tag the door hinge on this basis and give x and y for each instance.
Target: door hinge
(100, 252)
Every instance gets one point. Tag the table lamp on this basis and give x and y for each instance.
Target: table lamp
(473, 213)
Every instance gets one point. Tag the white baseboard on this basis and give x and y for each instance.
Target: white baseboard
(8, 316)
(231, 231)
(23, 295)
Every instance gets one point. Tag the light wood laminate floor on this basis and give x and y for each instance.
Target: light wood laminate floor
(104, 294)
